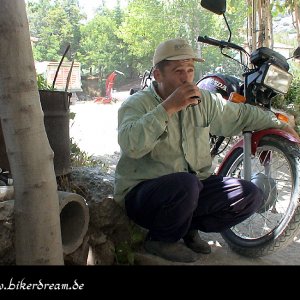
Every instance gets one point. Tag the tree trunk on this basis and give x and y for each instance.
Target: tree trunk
(266, 23)
(260, 24)
(269, 24)
(37, 223)
(254, 39)
(249, 26)
(297, 21)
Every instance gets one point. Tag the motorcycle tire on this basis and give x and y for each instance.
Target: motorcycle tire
(277, 223)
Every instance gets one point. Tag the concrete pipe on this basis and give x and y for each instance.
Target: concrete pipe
(74, 220)
(74, 217)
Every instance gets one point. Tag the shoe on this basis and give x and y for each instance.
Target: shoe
(171, 251)
(193, 241)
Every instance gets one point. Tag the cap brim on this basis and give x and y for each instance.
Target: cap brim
(182, 57)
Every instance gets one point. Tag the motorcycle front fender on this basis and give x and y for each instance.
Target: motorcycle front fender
(256, 137)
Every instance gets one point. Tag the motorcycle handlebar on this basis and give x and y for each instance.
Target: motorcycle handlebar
(223, 44)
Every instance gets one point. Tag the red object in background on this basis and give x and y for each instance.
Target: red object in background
(108, 88)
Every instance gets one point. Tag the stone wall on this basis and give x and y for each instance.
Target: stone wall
(111, 237)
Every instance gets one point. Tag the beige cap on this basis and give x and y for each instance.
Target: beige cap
(175, 49)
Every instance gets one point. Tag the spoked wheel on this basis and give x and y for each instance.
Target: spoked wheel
(275, 169)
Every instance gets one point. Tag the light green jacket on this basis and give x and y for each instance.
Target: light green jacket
(154, 144)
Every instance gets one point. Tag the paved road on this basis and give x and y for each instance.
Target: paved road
(95, 127)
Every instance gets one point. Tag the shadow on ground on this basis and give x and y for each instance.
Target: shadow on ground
(222, 255)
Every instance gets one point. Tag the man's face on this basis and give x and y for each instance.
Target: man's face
(174, 74)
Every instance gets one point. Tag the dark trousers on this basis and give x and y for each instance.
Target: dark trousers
(171, 205)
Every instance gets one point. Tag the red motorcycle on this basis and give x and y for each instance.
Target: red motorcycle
(268, 158)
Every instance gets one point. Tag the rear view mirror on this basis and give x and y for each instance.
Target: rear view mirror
(297, 53)
(216, 6)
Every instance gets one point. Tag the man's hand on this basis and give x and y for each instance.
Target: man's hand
(185, 95)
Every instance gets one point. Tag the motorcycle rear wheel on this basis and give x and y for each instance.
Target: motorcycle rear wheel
(277, 222)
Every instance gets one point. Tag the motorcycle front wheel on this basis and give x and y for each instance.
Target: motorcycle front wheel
(276, 170)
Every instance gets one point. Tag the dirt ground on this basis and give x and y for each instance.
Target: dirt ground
(221, 255)
(95, 131)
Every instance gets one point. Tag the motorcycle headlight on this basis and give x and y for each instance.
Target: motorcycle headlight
(277, 79)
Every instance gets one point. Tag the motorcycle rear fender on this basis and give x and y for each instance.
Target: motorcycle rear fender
(256, 137)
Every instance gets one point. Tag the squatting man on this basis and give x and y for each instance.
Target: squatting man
(163, 178)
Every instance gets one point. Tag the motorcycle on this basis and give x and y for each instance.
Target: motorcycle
(5, 178)
(269, 158)
(147, 78)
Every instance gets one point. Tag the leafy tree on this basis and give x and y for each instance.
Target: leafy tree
(139, 33)
(55, 24)
(101, 49)
(125, 38)
(214, 26)
(294, 8)
(191, 21)
(147, 24)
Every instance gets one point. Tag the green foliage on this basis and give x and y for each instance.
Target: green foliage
(42, 83)
(124, 254)
(124, 39)
(125, 251)
(145, 25)
(291, 101)
(100, 47)
(215, 26)
(277, 7)
(293, 95)
(55, 24)
(81, 158)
